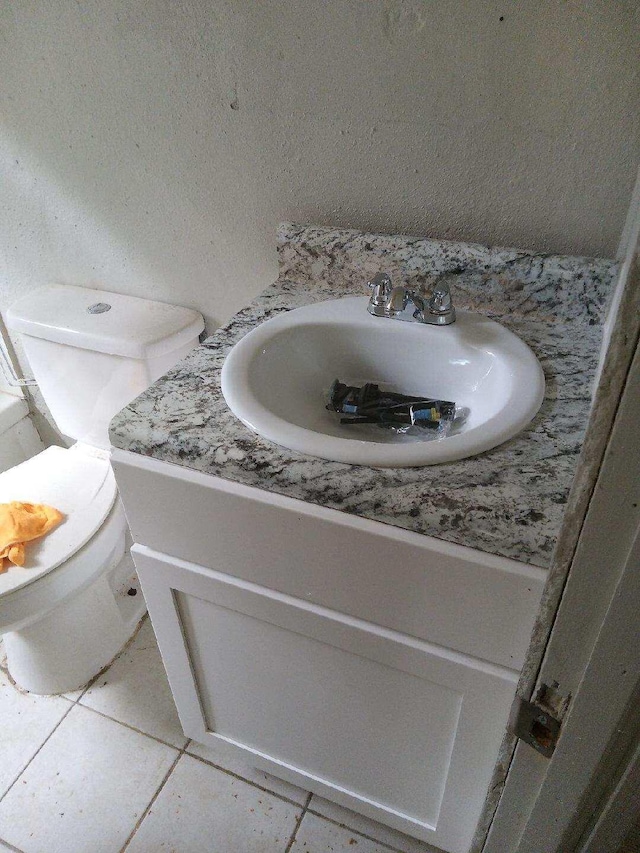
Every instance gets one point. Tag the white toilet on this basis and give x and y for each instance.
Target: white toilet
(72, 607)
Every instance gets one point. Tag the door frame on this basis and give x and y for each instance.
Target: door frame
(581, 635)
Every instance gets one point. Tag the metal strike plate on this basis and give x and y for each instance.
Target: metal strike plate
(535, 725)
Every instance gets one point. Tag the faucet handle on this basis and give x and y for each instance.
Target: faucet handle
(381, 287)
(440, 302)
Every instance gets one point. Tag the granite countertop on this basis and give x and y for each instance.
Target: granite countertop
(508, 501)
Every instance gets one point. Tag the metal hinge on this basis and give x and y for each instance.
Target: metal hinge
(538, 723)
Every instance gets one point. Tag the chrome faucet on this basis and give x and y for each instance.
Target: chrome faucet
(411, 304)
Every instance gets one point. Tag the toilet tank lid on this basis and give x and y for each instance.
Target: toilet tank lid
(104, 322)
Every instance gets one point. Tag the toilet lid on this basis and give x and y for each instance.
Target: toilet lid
(80, 484)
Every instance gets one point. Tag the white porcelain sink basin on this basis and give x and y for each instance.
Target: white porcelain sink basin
(276, 380)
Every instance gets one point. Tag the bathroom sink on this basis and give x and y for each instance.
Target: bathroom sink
(276, 380)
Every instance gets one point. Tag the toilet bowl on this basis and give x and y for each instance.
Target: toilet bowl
(66, 613)
(69, 610)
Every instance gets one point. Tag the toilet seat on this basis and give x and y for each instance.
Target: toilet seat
(80, 483)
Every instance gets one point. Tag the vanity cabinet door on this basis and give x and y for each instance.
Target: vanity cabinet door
(401, 730)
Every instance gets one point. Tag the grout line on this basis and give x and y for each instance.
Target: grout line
(364, 834)
(244, 779)
(84, 689)
(89, 683)
(134, 729)
(55, 728)
(10, 846)
(299, 819)
(151, 802)
(124, 649)
(305, 807)
(72, 704)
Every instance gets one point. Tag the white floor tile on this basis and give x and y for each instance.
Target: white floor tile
(359, 823)
(319, 836)
(203, 810)
(25, 721)
(85, 789)
(135, 691)
(224, 756)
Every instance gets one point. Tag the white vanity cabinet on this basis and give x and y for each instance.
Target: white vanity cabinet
(370, 665)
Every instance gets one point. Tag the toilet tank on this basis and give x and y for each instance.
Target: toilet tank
(92, 352)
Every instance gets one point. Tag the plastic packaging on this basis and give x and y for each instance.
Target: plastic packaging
(369, 404)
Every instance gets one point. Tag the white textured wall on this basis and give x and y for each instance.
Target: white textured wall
(151, 147)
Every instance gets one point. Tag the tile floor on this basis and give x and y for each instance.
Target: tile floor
(108, 769)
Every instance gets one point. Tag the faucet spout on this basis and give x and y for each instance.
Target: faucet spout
(397, 301)
(392, 302)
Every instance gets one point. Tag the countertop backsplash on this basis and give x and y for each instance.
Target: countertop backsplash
(496, 281)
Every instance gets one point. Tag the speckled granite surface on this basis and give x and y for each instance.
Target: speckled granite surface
(508, 501)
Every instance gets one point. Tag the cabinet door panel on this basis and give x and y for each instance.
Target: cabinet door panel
(388, 725)
(358, 724)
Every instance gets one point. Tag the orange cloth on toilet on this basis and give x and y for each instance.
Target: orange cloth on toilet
(20, 523)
